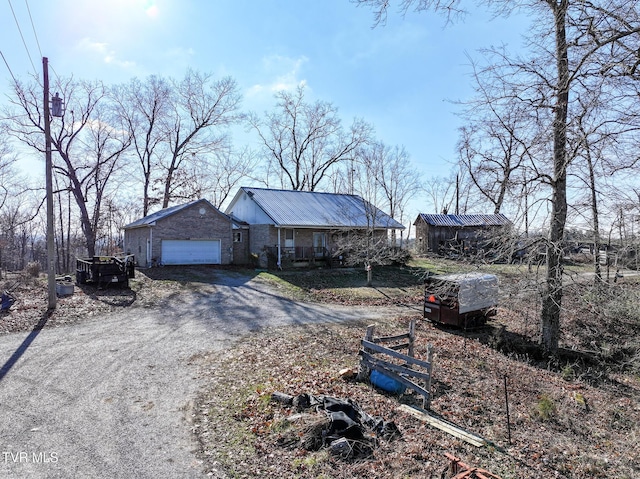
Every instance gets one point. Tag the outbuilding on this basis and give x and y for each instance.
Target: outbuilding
(187, 234)
(443, 233)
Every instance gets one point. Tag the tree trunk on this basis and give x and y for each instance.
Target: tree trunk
(552, 298)
(596, 218)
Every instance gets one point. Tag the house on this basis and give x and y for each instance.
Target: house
(192, 233)
(438, 233)
(303, 226)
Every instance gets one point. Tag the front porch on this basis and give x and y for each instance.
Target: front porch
(300, 256)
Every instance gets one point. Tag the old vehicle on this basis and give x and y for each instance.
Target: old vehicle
(105, 270)
(463, 300)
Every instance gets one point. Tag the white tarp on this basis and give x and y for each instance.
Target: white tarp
(476, 291)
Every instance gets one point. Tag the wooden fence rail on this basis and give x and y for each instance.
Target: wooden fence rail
(402, 368)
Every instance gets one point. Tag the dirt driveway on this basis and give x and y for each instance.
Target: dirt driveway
(110, 396)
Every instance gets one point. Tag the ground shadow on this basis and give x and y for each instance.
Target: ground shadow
(17, 354)
(112, 295)
(210, 274)
(585, 366)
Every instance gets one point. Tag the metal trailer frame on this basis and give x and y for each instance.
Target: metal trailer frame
(105, 270)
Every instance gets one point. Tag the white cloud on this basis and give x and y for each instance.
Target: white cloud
(102, 50)
(283, 73)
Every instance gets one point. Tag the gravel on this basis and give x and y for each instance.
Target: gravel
(110, 393)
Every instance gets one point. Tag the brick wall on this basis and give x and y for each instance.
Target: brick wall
(190, 224)
(241, 248)
(261, 236)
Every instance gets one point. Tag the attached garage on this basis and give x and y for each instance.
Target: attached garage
(193, 233)
(191, 252)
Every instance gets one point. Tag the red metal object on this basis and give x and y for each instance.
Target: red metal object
(460, 470)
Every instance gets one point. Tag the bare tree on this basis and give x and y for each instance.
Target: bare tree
(7, 172)
(394, 176)
(306, 141)
(573, 42)
(498, 139)
(200, 109)
(224, 172)
(142, 107)
(441, 191)
(369, 247)
(88, 148)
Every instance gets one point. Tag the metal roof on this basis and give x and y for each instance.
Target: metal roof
(151, 219)
(460, 221)
(323, 210)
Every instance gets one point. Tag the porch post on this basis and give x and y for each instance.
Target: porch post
(279, 251)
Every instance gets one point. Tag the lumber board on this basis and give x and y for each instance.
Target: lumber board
(443, 425)
(397, 347)
(368, 345)
(373, 361)
(388, 339)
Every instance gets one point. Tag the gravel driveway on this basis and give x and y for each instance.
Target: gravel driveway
(110, 397)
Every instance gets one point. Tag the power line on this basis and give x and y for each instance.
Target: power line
(33, 27)
(8, 67)
(22, 36)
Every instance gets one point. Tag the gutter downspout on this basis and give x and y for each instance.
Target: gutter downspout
(150, 251)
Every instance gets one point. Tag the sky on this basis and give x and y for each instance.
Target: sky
(402, 77)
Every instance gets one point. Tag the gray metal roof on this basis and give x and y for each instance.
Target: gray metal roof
(151, 219)
(460, 221)
(324, 210)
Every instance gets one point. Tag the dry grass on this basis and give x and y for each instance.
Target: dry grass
(576, 416)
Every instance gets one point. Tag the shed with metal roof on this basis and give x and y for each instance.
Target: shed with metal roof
(441, 233)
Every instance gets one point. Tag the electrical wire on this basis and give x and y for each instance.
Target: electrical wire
(22, 36)
(8, 67)
(33, 27)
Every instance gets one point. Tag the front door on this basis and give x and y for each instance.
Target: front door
(319, 244)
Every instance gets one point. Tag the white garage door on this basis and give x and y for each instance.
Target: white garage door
(191, 251)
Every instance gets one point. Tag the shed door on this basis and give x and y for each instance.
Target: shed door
(190, 252)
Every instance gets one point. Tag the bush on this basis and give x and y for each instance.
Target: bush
(545, 408)
(33, 269)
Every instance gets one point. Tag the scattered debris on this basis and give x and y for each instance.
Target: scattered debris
(443, 425)
(6, 300)
(460, 470)
(347, 373)
(339, 424)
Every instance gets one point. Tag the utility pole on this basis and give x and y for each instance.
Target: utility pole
(51, 269)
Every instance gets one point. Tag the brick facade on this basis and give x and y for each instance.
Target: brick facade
(188, 224)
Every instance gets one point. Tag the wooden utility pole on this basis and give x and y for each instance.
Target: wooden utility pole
(51, 268)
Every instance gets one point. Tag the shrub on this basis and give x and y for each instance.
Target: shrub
(33, 269)
(545, 408)
(567, 373)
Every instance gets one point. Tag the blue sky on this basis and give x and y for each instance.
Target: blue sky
(399, 77)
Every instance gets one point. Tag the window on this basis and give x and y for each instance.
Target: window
(288, 239)
(237, 236)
